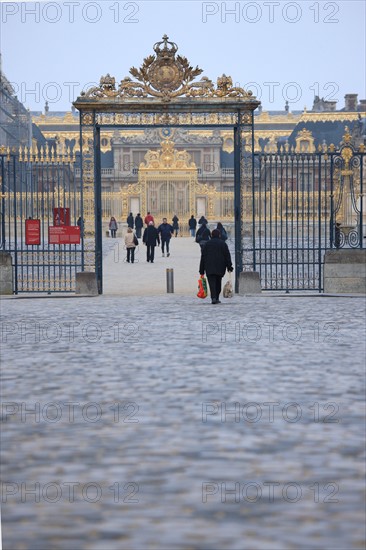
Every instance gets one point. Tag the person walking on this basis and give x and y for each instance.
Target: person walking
(221, 229)
(139, 224)
(149, 218)
(130, 245)
(130, 220)
(150, 239)
(192, 222)
(215, 260)
(113, 227)
(203, 235)
(202, 221)
(165, 231)
(175, 221)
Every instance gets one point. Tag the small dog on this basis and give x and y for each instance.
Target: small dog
(228, 290)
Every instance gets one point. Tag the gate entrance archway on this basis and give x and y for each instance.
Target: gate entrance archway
(165, 93)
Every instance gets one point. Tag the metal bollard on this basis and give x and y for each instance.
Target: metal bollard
(170, 280)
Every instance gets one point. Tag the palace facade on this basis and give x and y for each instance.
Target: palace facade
(128, 171)
(177, 170)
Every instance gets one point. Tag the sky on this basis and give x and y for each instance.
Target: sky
(281, 50)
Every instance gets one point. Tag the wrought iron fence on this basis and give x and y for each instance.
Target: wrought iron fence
(40, 201)
(303, 205)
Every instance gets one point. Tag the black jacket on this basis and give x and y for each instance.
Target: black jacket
(151, 236)
(139, 222)
(203, 234)
(165, 230)
(215, 258)
(130, 221)
(192, 222)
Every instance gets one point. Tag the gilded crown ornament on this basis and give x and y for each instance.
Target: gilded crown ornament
(166, 75)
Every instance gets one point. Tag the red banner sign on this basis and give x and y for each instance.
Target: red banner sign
(61, 216)
(67, 234)
(32, 232)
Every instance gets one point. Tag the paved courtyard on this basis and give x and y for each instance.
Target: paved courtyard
(156, 420)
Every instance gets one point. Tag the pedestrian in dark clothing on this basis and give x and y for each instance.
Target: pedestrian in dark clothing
(139, 224)
(192, 222)
(202, 221)
(203, 235)
(150, 238)
(215, 260)
(175, 221)
(221, 229)
(165, 231)
(130, 220)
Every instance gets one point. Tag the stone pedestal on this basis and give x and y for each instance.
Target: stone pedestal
(86, 283)
(6, 273)
(345, 271)
(249, 283)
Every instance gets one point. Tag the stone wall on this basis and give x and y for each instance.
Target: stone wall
(345, 271)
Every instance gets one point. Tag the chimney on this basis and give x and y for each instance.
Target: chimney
(362, 105)
(350, 102)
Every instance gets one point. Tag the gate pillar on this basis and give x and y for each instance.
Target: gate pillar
(6, 273)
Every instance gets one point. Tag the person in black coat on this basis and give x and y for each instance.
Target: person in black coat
(203, 235)
(215, 260)
(150, 238)
(139, 224)
(130, 220)
(221, 229)
(175, 221)
(192, 222)
(165, 231)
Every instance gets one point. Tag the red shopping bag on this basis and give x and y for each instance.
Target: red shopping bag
(202, 287)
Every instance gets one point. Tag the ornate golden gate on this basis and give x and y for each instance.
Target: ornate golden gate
(165, 94)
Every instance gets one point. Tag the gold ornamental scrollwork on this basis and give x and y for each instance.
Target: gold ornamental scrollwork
(167, 158)
(165, 75)
(87, 119)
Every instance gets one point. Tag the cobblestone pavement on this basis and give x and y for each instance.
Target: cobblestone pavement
(167, 422)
